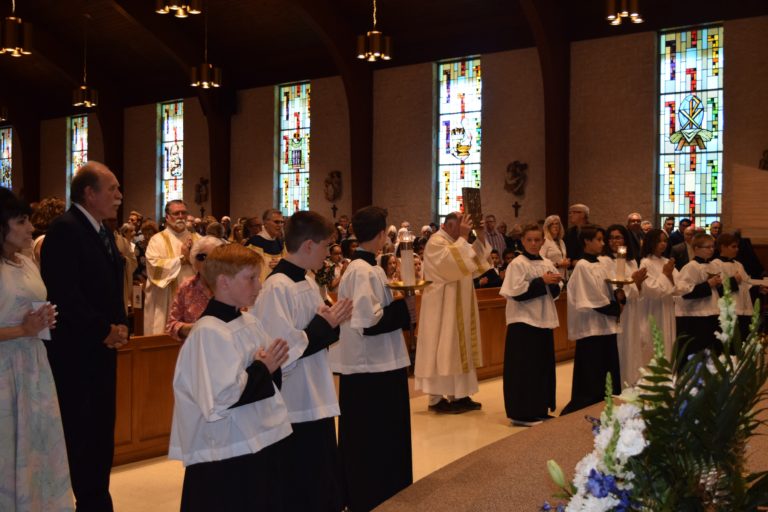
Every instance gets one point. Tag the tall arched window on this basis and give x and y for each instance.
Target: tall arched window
(171, 151)
(293, 136)
(691, 124)
(459, 134)
(77, 148)
(6, 157)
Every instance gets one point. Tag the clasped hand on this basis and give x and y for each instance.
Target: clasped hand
(117, 337)
(337, 314)
(274, 356)
(42, 318)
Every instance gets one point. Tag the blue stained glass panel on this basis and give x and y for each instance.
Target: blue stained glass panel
(691, 116)
(6, 157)
(294, 143)
(78, 143)
(171, 151)
(459, 131)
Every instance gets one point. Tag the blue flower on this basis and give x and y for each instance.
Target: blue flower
(597, 484)
(683, 406)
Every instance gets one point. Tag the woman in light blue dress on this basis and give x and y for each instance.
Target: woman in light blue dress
(34, 475)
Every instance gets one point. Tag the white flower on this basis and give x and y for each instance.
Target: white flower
(625, 412)
(604, 437)
(583, 467)
(589, 503)
(631, 442)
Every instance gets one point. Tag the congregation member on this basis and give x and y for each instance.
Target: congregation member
(251, 227)
(634, 351)
(700, 286)
(512, 239)
(43, 214)
(130, 264)
(449, 348)
(659, 291)
(389, 263)
(34, 474)
(494, 237)
(226, 222)
(491, 278)
(148, 230)
(83, 272)
(668, 227)
(683, 252)
(339, 266)
(593, 307)
(230, 421)
(290, 307)
(677, 236)
(729, 268)
(645, 227)
(342, 226)
(553, 247)
(578, 216)
(168, 265)
(635, 239)
(531, 285)
(715, 229)
(268, 243)
(193, 295)
(371, 358)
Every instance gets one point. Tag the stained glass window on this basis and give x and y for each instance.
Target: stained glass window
(171, 149)
(294, 139)
(459, 134)
(691, 124)
(6, 156)
(78, 143)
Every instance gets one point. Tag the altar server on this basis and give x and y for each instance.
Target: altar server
(729, 268)
(659, 289)
(634, 351)
(700, 286)
(593, 308)
(531, 285)
(229, 420)
(290, 307)
(375, 421)
(448, 351)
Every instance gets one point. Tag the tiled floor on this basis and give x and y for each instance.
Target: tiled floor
(155, 485)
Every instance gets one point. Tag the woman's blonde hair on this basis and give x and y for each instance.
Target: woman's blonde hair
(548, 222)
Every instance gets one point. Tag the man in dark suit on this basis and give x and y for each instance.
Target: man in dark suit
(83, 271)
(677, 236)
(683, 252)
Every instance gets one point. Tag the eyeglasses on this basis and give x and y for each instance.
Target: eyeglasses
(201, 256)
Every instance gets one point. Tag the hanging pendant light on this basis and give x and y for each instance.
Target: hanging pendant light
(374, 45)
(205, 75)
(85, 96)
(180, 9)
(3, 114)
(618, 10)
(15, 35)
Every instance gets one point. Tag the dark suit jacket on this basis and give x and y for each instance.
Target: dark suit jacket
(85, 284)
(680, 253)
(676, 237)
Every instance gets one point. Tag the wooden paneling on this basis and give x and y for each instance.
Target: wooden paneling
(145, 369)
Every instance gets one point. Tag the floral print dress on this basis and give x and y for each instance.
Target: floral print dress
(34, 474)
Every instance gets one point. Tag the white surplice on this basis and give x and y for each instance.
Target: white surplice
(659, 302)
(741, 297)
(285, 308)
(588, 290)
(635, 350)
(448, 349)
(365, 285)
(165, 273)
(210, 377)
(540, 311)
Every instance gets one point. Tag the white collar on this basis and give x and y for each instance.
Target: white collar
(96, 225)
(263, 234)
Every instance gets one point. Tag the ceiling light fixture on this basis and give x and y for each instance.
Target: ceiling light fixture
(626, 9)
(85, 96)
(205, 75)
(16, 36)
(3, 114)
(374, 45)
(180, 9)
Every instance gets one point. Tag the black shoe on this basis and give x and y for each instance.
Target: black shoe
(445, 407)
(468, 404)
(526, 422)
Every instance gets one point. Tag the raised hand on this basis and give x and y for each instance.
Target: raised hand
(465, 226)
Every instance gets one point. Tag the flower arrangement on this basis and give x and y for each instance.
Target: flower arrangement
(678, 442)
(324, 276)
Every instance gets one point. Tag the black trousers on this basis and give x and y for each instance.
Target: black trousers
(596, 356)
(86, 388)
(529, 371)
(375, 436)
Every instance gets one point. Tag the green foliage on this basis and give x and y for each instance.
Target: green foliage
(698, 422)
